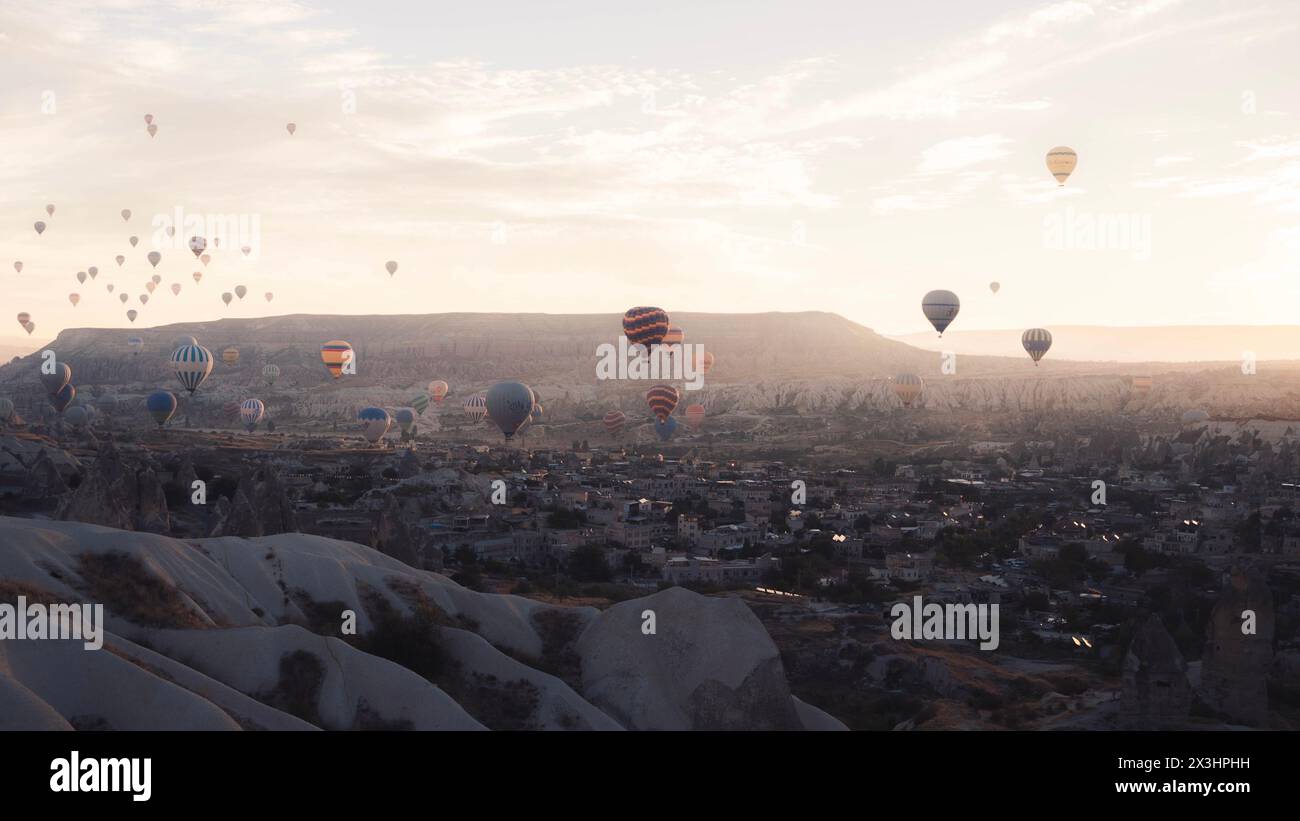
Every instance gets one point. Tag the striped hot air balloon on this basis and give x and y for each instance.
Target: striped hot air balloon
(251, 412)
(614, 422)
(1037, 341)
(662, 399)
(192, 364)
(63, 397)
(476, 407)
(695, 416)
(438, 389)
(908, 387)
(1061, 162)
(420, 403)
(336, 354)
(375, 423)
(230, 355)
(645, 326)
(940, 307)
(271, 373)
(1142, 384)
(675, 336)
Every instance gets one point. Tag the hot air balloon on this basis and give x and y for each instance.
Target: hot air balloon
(420, 403)
(614, 422)
(192, 364)
(375, 422)
(29, 327)
(251, 412)
(247, 249)
(695, 416)
(1142, 384)
(271, 373)
(665, 428)
(908, 387)
(152, 128)
(6, 410)
(391, 266)
(336, 354)
(674, 336)
(291, 127)
(18, 266)
(176, 289)
(154, 258)
(1037, 341)
(662, 399)
(1061, 162)
(995, 287)
(119, 259)
(405, 419)
(149, 286)
(183, 341)
(438, 390)
(198, 245)
(93, 271)
(240, 291)
(135, 343)
(54, 381)
(509, 404)
(161, 405)
(205, 259)
(123, 298)
(24, 318)
(49, 209)
(940, 307)
(81, 277)
(144, 299)
(133, 240)
(126, 214)
(77, 416)
(63, 397)
(227, 297)
(269, 296)
(132, 314)
(40, 228)
(645, 326)
(74, 299)
(230, 355)
(476, 407)
(148, 119)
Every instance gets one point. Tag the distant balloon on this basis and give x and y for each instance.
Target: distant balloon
(133, 240)
(93, 271)
(1037, 341)
(240, 291)
(662, 399)
(161, 406)
(119, 259)
(695, 416)
(63, 397)
(40, 227)
(198, 275)
(376, 423)
(150, 286)
(81, 277)
(29, 327)
(109, 286)
(54, 381)
(1142, 384)
(405, 419)
(156, 278)
(509, 404)
(24, 318)
(18, 266)
(1061, 162)
(1195, 416)
(227, 297)
(940, 307)
(6, 410)
(908, 387)
(135, 343)
(476, 407)
(144, 298)
(420, 402)
(246, 250)
(995, 287)
(176, 289)
(205, 259)
(271, 373)
(49, 209)
(336, 354)
(645, 326)
(674, 336)
(438, 390)
(614, 422)
(192, 364)
(665, 428)
(154, 258)
(269, 296)
(230, 355)
(77, 416)
(183, 341)
(391, 266)
(251, 412)
(291, 127)
(74, 299)
(152, 129)
(123, 298)
(132, 314)
(148, 119)
(126, 214)
(198, 245)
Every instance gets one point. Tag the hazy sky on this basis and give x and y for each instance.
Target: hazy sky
(701, 156)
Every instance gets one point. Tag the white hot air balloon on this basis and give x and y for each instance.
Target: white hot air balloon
(940, 307)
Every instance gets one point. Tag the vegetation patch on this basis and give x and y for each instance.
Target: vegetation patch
(127, 588)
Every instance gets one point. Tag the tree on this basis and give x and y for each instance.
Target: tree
(587, 564)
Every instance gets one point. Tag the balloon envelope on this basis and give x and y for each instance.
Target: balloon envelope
(192, 364)
(908, 387)
(251, 412)
(336, 354)
(63, 397)
(940, 307)
(375, 423)
(665, 428)
(645, 325)
(476, 407)
(509, 404)
(161, 405)
(662, 399)
(54, 382)
(1037, 341)
(1061, 162)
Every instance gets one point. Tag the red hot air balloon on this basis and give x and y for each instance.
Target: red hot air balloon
(614, 422)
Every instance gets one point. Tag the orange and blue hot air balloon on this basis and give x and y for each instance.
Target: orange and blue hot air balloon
(335, 354)
(662, 399)
(645, 326)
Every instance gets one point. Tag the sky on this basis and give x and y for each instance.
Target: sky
(698, 156)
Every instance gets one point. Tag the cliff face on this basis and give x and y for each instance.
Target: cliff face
(1236, 664)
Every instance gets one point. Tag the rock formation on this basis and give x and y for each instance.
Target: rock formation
(1156, 692)
(1235, 664)
(115, 494)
